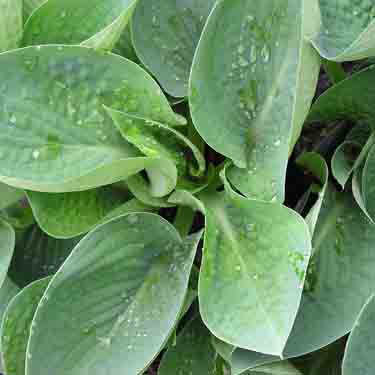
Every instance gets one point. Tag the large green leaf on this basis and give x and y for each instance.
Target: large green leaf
(165, 35)
(193, 353)
(7, 291)
(254, 77)
(11, 24)
(55, 134)
(7, 243)
(96, 23)
(67, 215)
(340, 277)
(351, 99)
(346, 31)
(16, 325)
(360, 349)
(255, 257)
(115, 301)
(37, 255)
(9, 195)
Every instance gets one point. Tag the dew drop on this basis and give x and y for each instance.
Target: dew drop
(36, 154)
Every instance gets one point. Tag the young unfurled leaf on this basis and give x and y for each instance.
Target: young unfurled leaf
(340, 270)
(115, 301)
(315, 164)
(67, 215)
(360, 349)
(154, 139)
(37, 255)
(16, 326)
(346, 30)
(94, 23)
(252, 82)
(11, 24)
(165, 35)
(193, 353)
(255, 257)
(55, 134)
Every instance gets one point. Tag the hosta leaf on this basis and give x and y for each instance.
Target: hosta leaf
(11, 24)
(115, 301)
(193, 353)
(255, 256)
(7, 243)
(368, 179)
(347, 29)
(16, 326)
(67, 215)
(9, 195)
(243, 360)
(55, 134)
(157, 140)
(7, 291)
(245, 79)
(340, 276)
(360, 349)
(37, 255)
(165, 35)
(278, 368)
(95, 23)
(29, 6)
(350, 99)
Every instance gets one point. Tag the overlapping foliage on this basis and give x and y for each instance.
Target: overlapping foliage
(178, 196)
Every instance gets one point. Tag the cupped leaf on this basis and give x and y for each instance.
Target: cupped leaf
(346, 31)
(165, 35)
(115, 301)
(343, 161)
(37, 255)
(16, 325)
(340, 277)
(9, 195)
(55, 134)
(350, 99)
(360, 349)
(7, 243)
(254, 262)
(193, 353)
(11, 24)
(95, 23)
(247, 80)
(67, 215)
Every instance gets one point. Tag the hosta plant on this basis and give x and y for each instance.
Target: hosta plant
(187, 187)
